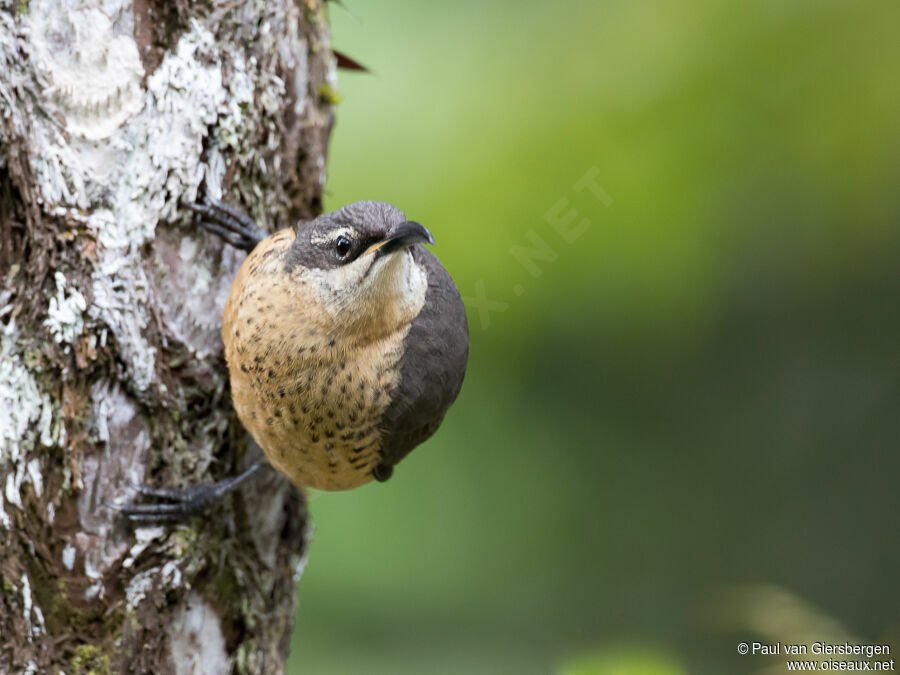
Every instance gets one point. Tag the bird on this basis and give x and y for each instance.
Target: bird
(346, 342)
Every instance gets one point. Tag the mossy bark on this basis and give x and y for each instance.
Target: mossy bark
(112, 115)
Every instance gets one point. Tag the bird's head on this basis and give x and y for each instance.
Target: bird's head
(355, 266)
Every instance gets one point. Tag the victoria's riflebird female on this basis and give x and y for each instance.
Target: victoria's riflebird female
(346, 342)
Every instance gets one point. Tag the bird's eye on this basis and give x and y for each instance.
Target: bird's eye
(342, 246)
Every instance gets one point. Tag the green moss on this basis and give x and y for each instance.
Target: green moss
(54, 601)
(57, 424)
(248, 614)
(314, 12)
(181, 542)
(59, 612)
(8, 586)
(63, 617)
(226, 588)
(328, 95)
(244, 658)
(22, 7)
(33, 359)
(89, 660)
(132, 617)
(179, 360)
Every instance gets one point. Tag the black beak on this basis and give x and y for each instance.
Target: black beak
(402, 236)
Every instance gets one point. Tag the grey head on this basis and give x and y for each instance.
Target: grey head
(341, 237)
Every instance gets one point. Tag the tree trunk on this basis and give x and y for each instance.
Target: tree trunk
(112, 115)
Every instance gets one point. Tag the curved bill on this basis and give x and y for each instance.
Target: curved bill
(401, 236)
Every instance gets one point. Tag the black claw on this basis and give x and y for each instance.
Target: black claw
(157, 493)
(229, 237)
(159, 512)
(233, 225)
(183, 504)
(154, 519)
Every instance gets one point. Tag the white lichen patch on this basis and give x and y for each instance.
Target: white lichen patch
(12, 488)
(230, 131)
(19, 398)
(158, 579)
(26, 419)
(138, 587)
(26, 602)
(145, 536)
(45, 424)
(34, 474)
(192, 294)
(120, 290)
(22, 404)
(203, 277)
(87, 67)
(34, 618)
(5, 521)
(117, 423)
(196, 638)
(183, 99)
(65, 313)
(187, 94)
(68, 557)
(96, 86)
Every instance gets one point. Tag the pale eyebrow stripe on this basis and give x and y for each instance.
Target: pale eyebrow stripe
(334, 234)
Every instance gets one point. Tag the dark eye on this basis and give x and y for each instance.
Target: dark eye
(342, 246)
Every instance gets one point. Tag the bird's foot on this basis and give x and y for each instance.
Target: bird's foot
(179, 505)
(230, 223)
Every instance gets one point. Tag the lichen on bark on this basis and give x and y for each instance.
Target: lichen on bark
(112, 115)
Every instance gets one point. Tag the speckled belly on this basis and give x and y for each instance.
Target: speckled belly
(312, 402)
(317, 420)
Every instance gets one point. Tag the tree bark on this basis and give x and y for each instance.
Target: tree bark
(113, 114)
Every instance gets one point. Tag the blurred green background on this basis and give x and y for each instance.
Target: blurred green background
(701, 391)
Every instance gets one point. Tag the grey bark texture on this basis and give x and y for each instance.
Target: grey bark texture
(113, 113)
